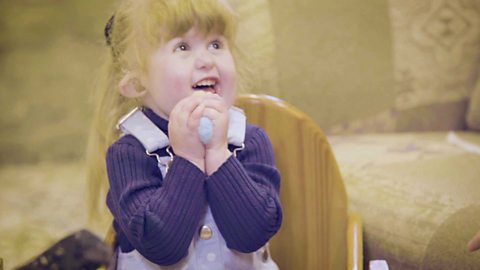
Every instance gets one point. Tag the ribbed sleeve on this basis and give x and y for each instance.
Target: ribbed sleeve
(158, 216)
(243, 195)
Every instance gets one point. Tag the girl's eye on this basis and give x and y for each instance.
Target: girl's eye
(181, 47)
(216, 45)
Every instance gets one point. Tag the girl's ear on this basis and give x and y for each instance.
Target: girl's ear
(131, 87)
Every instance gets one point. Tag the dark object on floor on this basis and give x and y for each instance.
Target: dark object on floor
(81, 250)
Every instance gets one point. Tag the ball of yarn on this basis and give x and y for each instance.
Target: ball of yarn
(205, 129)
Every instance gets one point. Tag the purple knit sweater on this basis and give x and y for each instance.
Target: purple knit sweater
(159, 217)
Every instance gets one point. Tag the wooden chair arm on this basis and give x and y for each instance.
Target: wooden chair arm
(110, 237)
(354, 242)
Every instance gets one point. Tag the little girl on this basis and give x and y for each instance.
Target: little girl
(178, 202)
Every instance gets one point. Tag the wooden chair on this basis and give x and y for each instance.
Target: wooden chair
(317, 230)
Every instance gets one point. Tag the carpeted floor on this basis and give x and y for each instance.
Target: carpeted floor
(39, 205)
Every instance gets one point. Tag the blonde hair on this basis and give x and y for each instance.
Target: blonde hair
(136, 29)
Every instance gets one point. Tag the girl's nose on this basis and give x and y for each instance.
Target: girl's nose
(204, 60)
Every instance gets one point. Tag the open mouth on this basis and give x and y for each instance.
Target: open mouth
(207, 85)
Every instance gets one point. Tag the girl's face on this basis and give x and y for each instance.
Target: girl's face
(189, 63)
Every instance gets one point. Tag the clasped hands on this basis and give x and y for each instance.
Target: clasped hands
(184, 121)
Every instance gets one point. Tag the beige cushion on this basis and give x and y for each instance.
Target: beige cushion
(415, 192)
(473, 114)
(447, 246)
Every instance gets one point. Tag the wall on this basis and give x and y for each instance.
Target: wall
(334, 57)
(48, 56)
(387, 66)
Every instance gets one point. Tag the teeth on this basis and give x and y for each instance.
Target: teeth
(207, 82)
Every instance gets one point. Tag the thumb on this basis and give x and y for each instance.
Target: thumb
(474, 243)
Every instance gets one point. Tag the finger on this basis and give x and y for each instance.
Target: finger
(212, 96)
(176, 119)
(474, 243)
(195, 97)
(220, 123)
(173, 117)
(179, 106)
(194, 119)
(186, 106)
(217, 104)
(213, 114)
(191, 102)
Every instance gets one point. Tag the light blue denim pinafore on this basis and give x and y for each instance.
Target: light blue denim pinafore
(208, 250)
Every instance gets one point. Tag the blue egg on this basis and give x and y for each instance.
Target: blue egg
(205, 129)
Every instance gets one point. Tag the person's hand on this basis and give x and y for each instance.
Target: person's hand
(474, 243)
(183, 129)
(217, 149)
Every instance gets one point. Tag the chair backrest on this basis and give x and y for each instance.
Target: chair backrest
(313, 233)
